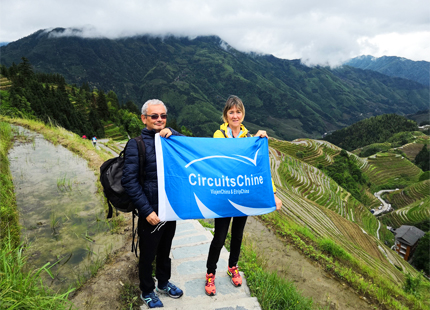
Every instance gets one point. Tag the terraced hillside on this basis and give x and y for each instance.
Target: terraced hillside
(412, 149)
(389, 171)
(416, 212)
(319, 152)
(313, 152)
(115, 133)
(312, 184)
(337, 215)
(408, 195)
(5, 83)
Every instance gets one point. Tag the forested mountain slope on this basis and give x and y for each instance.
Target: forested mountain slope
(418, 71)
(376, 129)
(194, 77)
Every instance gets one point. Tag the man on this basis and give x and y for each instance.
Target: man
(155, 236)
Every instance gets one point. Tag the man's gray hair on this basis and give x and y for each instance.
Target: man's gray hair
(152, 102)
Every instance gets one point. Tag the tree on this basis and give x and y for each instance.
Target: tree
(129, 105)
(85, 87)
(25, 69)
(422, 159)
(421, 257)
(102, 107)
(113, 99)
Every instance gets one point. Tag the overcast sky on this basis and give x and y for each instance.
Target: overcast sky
(316, 31)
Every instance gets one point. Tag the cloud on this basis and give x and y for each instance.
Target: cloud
(318, 32)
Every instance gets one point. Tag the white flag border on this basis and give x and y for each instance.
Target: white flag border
(160, 177)
(165, 210)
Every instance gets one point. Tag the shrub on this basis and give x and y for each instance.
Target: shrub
(331, 247)
(300, 154)
(425, 176)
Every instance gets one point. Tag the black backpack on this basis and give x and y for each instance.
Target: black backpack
(110, 178)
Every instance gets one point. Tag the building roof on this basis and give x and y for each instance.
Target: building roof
(409, 235)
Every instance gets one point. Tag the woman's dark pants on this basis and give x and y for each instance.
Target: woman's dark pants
(221, 229)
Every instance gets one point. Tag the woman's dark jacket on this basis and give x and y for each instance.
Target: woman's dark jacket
(145, 200)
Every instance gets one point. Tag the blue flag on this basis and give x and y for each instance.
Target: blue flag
(210, 178)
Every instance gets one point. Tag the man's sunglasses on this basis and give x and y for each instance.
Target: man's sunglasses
(156, 116)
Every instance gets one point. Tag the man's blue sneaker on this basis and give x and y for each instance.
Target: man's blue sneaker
(171, 290)
(151, 300)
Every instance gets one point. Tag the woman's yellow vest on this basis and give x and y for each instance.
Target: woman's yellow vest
(222, 133)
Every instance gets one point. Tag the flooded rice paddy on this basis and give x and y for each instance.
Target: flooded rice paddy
(61, 214)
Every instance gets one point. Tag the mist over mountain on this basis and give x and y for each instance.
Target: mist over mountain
(418, 71)
(195, 76)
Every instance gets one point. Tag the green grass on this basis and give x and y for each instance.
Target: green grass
(8, 212)
(271, 291)
(129, 296)
(329, 246)
(22, 289)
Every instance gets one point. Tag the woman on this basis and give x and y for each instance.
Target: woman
(233, 115)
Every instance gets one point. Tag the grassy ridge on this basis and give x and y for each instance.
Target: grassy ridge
(19, 287)
(8, 213)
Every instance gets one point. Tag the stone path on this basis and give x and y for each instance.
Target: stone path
(189, 252)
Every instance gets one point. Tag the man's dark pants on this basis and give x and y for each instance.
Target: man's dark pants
(154, 242)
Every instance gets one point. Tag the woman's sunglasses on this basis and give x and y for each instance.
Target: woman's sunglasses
(156, 116)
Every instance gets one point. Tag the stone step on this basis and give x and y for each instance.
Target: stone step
(210, 303)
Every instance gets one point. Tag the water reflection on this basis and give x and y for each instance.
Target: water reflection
(61, 215)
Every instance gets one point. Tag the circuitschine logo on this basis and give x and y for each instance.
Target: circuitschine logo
(226, 181)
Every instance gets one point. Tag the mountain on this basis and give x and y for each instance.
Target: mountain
(418, 71)
(4, 43)
(194, 78)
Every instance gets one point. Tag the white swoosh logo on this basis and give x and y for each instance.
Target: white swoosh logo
(248, 210)
(206, 212)
(254, 161)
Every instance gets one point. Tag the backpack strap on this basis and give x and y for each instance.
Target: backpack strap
(135, 246)
(142, 174)
(142, 158)
(223, 132)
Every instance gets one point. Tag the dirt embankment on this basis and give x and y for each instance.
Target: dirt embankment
(309, 278)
